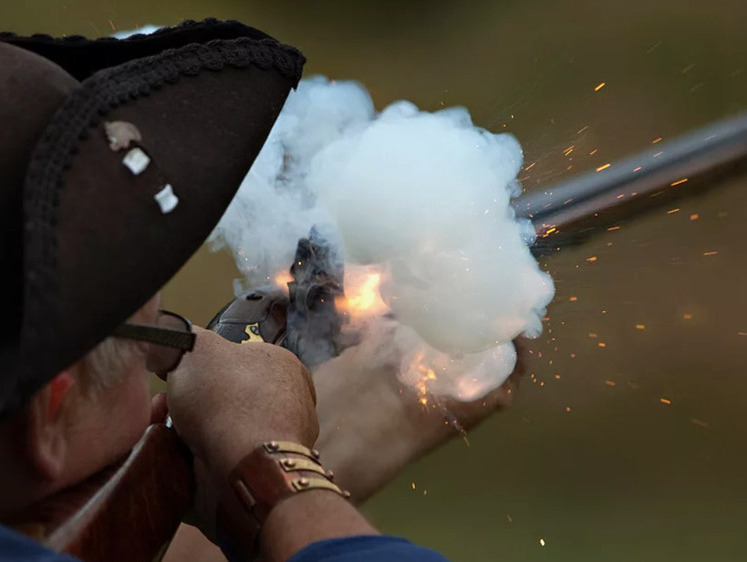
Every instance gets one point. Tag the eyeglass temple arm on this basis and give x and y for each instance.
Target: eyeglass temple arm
(161, 336)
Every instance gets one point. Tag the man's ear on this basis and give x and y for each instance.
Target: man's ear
(47, 426)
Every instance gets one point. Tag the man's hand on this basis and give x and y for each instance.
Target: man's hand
(225, 399)
(372, 425)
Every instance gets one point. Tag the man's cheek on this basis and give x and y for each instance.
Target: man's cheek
(133, 406)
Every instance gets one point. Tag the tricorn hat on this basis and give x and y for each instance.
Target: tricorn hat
(117, 158)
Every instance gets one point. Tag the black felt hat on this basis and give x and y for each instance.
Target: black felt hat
(117, 158)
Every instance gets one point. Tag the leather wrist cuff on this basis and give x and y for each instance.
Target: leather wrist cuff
(269, 474)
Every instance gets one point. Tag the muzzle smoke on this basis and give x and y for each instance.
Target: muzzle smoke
(422, 200)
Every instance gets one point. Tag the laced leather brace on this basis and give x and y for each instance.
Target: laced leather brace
(272, 472)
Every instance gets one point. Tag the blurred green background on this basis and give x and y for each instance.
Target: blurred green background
(589, 460)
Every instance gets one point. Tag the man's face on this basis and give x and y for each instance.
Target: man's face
(106, 422)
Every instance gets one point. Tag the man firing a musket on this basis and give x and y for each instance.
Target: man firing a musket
(117, 159)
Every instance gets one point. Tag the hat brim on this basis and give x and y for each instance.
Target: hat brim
(98, 245)
(82, 57)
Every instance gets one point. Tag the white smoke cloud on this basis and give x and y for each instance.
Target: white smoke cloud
(422, 196)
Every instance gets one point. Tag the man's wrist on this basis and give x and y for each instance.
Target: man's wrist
(303, 519)
(228, 450)
(268, 476)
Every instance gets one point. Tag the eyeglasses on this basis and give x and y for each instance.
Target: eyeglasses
(169, 340)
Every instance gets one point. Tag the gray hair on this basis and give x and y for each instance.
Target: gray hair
(105, 365)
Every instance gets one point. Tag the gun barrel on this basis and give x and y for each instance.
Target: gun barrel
(681, 167)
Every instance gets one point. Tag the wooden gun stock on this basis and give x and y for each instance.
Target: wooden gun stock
(128, 512)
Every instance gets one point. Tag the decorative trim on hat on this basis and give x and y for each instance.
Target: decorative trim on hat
(121, 133)
(81, 56)
(166, 199)
(136, 160)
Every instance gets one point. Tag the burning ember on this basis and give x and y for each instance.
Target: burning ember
(362, 297)
(282, 279)
(421, 385)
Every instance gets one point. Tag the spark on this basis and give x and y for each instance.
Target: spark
(657, 139)
(658, 154)
(602, 344)
(613, 228)
(557, 376)
(638, 169)
(678, 182)
(582, 129)
(742, 333)
(593, 335)
(694, 217)
(568, 150)
(621, 196)
(640, 326)
(593, 152)
(654, 47)
(665, 401)
(568, 409)
(672, 211)
(604, 167)
(600, 86)
(413, 485)
(687, 316)
(710, 253)
(422, 385)
(527, 168)
(573, 299)
(610, 383)
(542, 542)
(592, 259)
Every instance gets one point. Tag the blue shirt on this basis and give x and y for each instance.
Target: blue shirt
(15, 547)
(370, 548)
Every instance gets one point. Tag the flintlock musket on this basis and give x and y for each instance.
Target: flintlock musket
(571, 211)
(131, 511)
